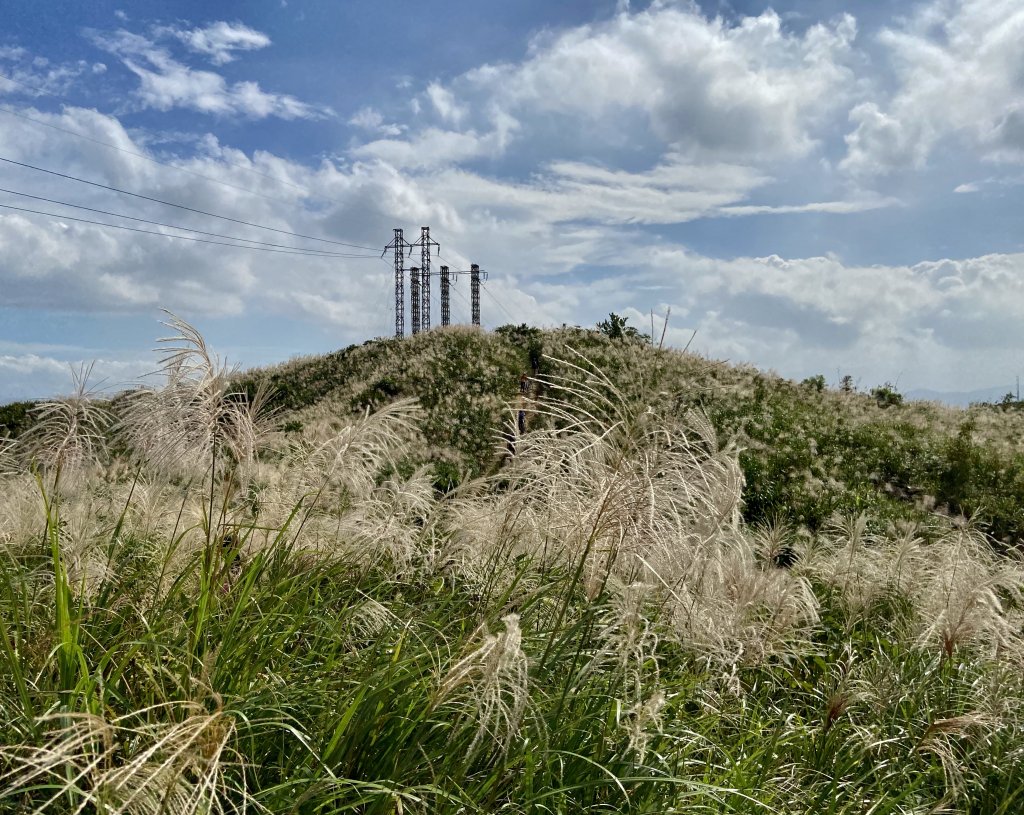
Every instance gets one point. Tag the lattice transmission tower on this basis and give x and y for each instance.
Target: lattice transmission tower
(425, 243)
(414, 298)
(446, 305)
(474, 288)
(399, 244)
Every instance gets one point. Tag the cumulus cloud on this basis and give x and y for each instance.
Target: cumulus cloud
(219, 41)
(952, 322)
(430, 147)
(444, 103)
(166, 83)
(960, 74)
(674, 191)
(723, 89)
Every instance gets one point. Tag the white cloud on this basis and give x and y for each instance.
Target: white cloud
(956, 321)
(861, 204)
(30, 375)
(166, 83)
(749, 88)
(372, 120)
(219, 41)
(674, 191)
(960, 74)
(35, 76)
(444, 103)
(430, 147)
(553, 173)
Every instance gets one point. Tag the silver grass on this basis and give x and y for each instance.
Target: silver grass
(352, 457)
(629, 637)
(961, 598)
(642, 721)
(732, 608)
(963, 593)
(19, 512)
(387, 525)
(635, 497)
(68, 434)
(128, 766)
(492, 682)
(195, 418)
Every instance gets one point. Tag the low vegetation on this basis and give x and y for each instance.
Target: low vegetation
(677, 586)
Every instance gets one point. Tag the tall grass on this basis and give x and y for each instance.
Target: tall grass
(212, 617)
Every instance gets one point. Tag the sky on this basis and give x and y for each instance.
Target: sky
(808, 186)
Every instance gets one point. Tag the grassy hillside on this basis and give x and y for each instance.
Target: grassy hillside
(367, 603)
(807, 452)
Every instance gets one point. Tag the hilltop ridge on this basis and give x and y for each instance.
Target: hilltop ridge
(808, 452)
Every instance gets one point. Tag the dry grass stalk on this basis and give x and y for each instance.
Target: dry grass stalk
(68, 435)
(492, 681)
(127, 766)
(194, 418)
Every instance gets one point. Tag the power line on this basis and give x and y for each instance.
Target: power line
(306, 253)
(181, 206)
(321, 252)
(462, 297)
(498, 302)
(240, 166)
(306, 192)
(41, 123)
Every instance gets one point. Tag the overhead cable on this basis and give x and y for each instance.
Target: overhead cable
(300, 252)
(144, 157)
(305, 191)
(323, 252)
(181, 206)
(498, 302)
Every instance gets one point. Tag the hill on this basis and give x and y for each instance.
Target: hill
(808, 453)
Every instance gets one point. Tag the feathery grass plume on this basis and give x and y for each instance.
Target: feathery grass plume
(69, 434)
(492, 682)
(388, 525)
(855, 561)
(951, 740)
(626, 484)
(349, 462)
(963, 591)
(629, 637)
(616, 491)
(642, 721)
(195, 418)
(731, 608)
(127, 765)
(19, 513)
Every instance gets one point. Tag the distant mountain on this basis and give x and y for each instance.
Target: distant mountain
(962, 398)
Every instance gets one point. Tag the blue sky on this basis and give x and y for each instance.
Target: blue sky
(831, 187)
